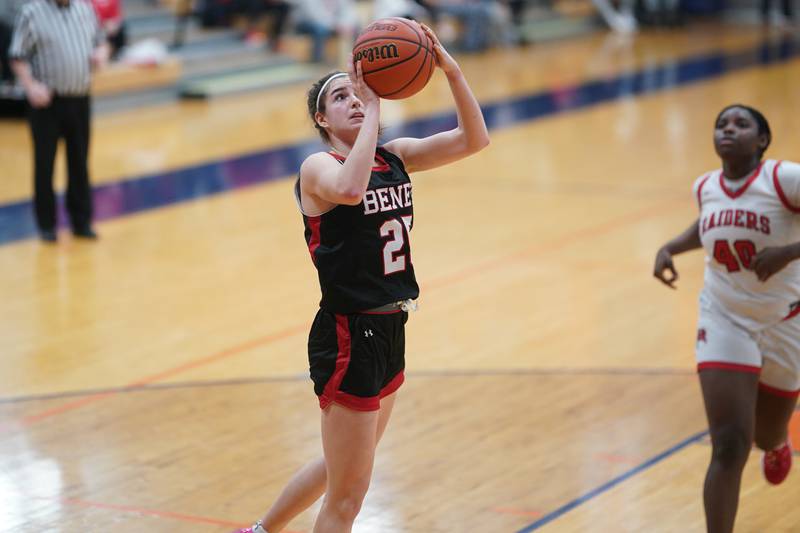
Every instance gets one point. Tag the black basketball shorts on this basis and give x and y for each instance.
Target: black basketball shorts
(355, 360)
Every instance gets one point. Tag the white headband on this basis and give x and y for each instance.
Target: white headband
(325, 85)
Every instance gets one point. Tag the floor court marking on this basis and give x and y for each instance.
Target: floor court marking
(434, 284)
(70, 406)
(557, 243)
(142, 193)
(147, 512)
(605, 487)
(152, 512)
(421, 374)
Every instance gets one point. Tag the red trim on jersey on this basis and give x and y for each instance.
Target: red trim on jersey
(383, 167)
(714, 365)
(779, 189)
(740, 190)
(331, 391)
(313, 242)
(793, 313)
(700, 190)
(779, 392)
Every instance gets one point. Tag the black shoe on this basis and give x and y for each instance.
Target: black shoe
(85, 233)
(48, 235)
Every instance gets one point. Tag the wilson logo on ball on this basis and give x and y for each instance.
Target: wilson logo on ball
(386, 51)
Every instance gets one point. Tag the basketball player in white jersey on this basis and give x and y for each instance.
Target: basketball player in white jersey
(748, 337)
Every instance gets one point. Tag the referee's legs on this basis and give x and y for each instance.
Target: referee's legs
(44, 129)
(76, 125)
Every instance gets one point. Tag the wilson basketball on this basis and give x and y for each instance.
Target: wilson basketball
(396, 57)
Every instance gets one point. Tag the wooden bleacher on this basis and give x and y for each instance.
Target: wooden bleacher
(119, 78)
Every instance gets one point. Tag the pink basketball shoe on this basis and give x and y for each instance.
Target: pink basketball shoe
(777, 463)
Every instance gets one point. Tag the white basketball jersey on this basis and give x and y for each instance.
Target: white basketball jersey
(740, 218)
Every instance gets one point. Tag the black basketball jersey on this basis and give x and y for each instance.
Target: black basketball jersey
(362, 252)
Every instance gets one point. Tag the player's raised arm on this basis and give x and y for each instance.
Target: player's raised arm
(468, 138)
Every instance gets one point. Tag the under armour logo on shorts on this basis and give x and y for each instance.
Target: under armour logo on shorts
(368, 333)
(701, 335)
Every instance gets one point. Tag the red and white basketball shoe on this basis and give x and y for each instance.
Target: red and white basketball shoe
(777, 463)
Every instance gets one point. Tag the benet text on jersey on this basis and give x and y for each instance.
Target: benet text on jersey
(386, 199)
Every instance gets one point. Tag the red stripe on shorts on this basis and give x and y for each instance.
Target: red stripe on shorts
(713, 365)
(393, 385)
(357, 403)
(779, 392)
(331, 391)
(373, 403)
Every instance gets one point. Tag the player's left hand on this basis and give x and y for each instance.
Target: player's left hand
(363, 91)
(443, 59)
(771, 260)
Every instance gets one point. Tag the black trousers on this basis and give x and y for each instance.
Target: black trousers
(66, 117)
(5, 41)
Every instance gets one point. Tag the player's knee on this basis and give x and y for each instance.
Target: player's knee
(347, 506)
(731, 447)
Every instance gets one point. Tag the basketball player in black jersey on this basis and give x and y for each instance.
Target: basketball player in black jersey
(358, 212)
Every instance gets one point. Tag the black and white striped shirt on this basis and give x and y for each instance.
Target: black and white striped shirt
(58, 42)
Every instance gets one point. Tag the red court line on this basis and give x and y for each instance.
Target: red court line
(75, 404)
(617, 458)
(147, 512)
(150, 512)
(555, 244)
(63, 408)
(249, 345)
(437, 283)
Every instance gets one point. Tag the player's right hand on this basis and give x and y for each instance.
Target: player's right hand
(38, 95)
(664, 269)
(443, 59)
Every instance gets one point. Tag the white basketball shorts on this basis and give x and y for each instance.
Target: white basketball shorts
(773, 352)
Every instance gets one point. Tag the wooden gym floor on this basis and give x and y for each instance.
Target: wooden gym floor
(156, 381)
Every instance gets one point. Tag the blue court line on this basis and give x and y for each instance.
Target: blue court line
(564, 509)
(142, 193)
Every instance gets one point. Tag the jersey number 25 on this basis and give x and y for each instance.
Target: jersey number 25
(392, 260)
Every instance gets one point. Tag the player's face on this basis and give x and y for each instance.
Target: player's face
(736, 134)
(344, 112)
